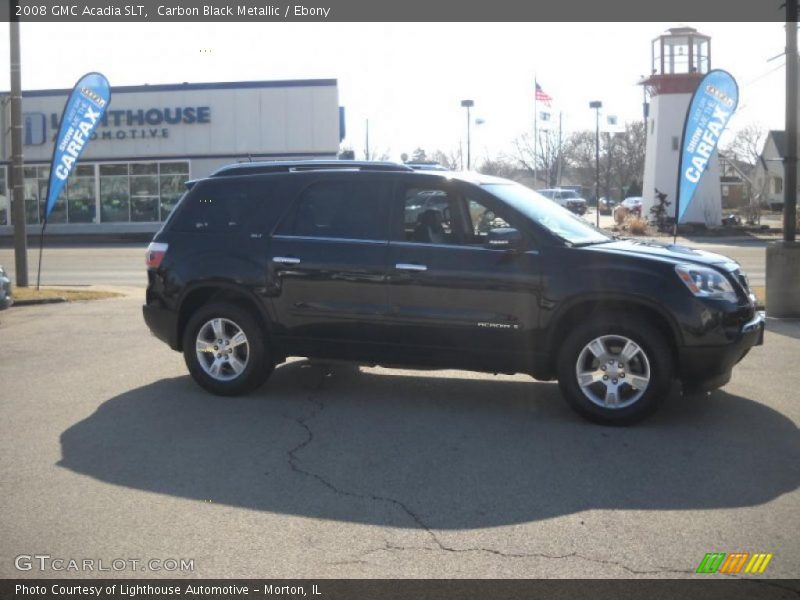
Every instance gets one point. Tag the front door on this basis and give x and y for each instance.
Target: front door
(449, 294)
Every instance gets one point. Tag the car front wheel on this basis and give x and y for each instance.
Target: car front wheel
(225, 351)
(615, 370)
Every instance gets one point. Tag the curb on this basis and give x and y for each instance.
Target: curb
(35, 301)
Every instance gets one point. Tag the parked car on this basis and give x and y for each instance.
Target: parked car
(6, 299)
(606, 205)
(262, 261)
(569, 199)
(634, 205)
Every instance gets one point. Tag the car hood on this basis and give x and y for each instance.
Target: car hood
(669, 252)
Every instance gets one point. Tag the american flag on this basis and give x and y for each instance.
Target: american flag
(542, 96)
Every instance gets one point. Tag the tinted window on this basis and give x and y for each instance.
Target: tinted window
(340, 209)
(482, 219)
(436, 216)
(427, 216)
(223, 206)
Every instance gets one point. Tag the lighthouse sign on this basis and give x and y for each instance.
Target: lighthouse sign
(713, 103)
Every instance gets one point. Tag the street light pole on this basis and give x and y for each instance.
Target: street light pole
(597, 105)
(17, 181)
(468, 104)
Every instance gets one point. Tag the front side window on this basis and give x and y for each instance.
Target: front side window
(355, 210)
(482, 220)
(437, 216)
(427, 216)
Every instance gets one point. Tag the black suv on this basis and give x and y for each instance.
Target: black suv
(379, 264)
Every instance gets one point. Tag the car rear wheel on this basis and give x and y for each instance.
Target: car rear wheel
(225, 350)
(615, 370)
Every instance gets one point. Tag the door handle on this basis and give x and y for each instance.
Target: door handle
(286, 260)
(410, 267)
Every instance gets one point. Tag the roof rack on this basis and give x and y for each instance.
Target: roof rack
(254, 168)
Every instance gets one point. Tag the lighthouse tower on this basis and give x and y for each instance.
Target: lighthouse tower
(680, 59)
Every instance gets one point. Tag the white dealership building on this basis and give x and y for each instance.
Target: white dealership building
(153, 138)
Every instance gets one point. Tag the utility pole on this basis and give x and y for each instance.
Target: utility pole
(783, 257)
(790, 161)
(17, 181)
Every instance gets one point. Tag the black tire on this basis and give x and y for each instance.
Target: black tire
(613, 328)
(258, 366)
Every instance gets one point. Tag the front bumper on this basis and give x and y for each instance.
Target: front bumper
(709, 367)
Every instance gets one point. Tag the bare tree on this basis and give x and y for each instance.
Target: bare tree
(621, 159)
(500, 166)
(451, 160)
(541, 158)
(627, 158)
(747, 144)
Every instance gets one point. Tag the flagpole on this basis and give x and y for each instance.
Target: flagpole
(535, 128)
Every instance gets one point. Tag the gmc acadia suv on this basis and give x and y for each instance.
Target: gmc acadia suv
(379, 264)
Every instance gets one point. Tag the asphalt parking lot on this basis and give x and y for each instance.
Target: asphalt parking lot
(108, 450)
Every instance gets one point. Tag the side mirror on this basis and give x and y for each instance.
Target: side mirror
(504, 238)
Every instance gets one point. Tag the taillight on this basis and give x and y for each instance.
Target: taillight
(155, 254)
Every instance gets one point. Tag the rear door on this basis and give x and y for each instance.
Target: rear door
(451, 296)
(327, 263)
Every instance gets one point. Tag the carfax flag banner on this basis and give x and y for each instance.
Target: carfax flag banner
(82, 113)
(713, 103)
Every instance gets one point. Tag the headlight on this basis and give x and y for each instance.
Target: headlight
(705, 282)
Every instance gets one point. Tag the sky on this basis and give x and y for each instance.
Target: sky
(408, 78)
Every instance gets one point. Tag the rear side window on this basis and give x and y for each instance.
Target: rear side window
(219, 206)
(356, 210)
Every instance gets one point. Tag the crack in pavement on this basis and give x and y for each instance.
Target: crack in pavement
(303, 421)
(389, 547)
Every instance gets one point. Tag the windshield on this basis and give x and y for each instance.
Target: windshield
(546, 213)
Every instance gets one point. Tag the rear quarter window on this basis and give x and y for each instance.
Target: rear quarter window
(224, 205)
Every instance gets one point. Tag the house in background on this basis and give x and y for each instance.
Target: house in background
(769, 174)
(735, 180)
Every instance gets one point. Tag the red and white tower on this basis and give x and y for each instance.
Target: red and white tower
(680, 59)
